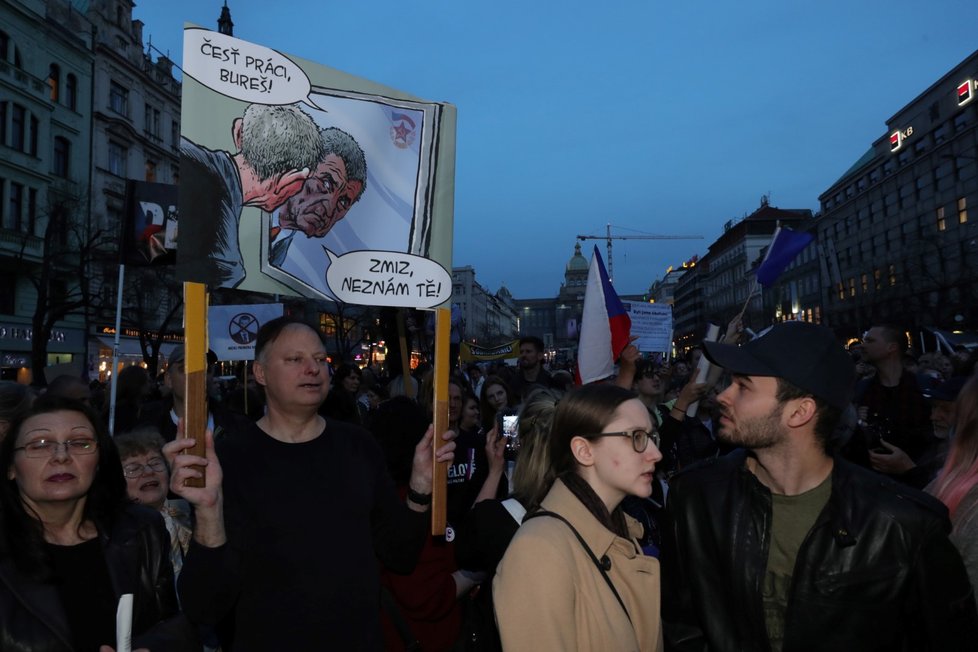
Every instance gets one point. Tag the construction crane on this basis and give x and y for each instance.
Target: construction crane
(609, 238)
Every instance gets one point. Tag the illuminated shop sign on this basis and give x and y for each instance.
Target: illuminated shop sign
(897, 138)
(966, 91)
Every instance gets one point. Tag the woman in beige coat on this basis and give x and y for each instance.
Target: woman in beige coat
(574, 577)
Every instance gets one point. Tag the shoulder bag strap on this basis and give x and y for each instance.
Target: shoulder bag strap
(603, 564)
(515, 509)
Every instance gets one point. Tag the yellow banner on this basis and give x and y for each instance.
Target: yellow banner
(472, 352)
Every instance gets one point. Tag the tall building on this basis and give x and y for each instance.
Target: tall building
(489, 318)
(136, 124)
(45, 136)
(899, 226)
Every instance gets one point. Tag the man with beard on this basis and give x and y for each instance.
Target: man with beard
(779, 546)
(531, 374)
(326, 197)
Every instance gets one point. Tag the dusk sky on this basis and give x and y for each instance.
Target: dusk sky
(658, 118)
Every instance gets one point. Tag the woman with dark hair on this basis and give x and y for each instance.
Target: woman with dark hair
(574, 576)
(496, 395)
(341, 402)
(957, 483)
(71, 543)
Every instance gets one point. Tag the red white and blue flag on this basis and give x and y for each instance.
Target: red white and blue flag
(605, 326)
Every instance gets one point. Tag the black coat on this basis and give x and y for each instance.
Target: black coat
(875, 572)
(137, 553)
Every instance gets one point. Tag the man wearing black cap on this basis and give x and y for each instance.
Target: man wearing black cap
(779, 546)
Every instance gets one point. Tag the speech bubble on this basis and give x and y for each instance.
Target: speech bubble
(387, 278)
(243, 70)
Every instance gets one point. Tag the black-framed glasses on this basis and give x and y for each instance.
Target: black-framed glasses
(136, 470)
(640, 438)
(49, 447)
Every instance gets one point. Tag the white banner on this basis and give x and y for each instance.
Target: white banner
(651, 324)
(232, 330)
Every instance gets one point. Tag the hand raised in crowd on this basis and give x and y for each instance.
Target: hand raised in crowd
(628, 364)
(735, 331)
(690, 393)
(208, 501)
(495, 450)
(894, 462)
(422, 468)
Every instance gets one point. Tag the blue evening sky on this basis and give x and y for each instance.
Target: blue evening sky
(655, 117)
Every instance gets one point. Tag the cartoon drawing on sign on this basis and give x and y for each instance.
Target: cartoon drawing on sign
(352, 173)
(325, 198)
(278, 146)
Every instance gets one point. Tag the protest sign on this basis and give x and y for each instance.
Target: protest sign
(300, 179)
(651, 324)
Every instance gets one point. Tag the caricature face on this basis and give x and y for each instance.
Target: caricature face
(325, 198)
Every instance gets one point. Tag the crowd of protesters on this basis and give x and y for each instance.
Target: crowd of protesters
(791, 495)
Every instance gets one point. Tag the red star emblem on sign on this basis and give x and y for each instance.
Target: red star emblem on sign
(401, 131)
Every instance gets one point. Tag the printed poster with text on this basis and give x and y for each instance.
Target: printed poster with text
(299, 179)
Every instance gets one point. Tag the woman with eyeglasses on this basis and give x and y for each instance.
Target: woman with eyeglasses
(71, 542)
(574, 576)
(148, 483)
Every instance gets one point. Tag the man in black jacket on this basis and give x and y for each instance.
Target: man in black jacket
(779, 546)
(296, 513)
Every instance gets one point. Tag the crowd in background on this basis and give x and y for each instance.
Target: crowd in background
(913, 417)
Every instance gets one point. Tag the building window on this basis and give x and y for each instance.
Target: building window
(876, 279)
(852, 286)
(33, 136)
(54, 81)
(62, 154)
(865, 283)
(941, 223)
(150, 171)
(963, 210)
(119, 99)
(18, 127)
(892, 275)
(3, 123)
(152, 121)
(15, 208)
(32, 211)
(175, 134)
(117, 159)
(71, 92)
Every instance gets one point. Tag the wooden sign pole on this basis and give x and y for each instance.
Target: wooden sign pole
(439, 482)
(195, 369)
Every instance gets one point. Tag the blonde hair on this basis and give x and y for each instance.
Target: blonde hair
(533, 465)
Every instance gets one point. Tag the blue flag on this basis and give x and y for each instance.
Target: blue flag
(785, 246)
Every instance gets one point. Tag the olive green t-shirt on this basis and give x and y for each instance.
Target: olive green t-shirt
(792, 518)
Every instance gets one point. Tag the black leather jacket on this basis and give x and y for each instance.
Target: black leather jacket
(876, 572)
(137, 552)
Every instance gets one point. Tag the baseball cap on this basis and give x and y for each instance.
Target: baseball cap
(946, 391)
(806, 355)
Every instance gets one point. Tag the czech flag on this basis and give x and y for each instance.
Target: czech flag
(784, 248)
(605, 326)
